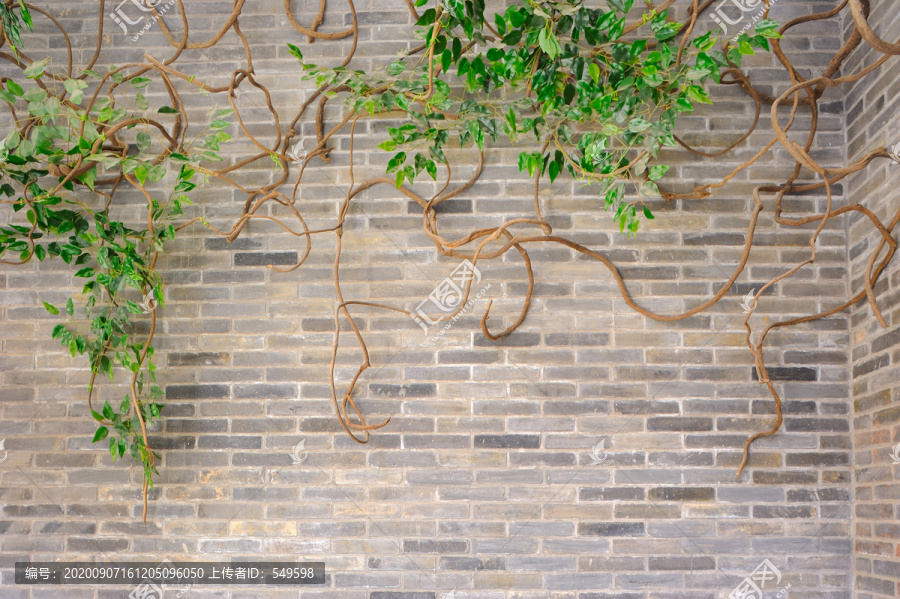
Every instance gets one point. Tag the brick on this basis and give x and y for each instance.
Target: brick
(783, 511)
(508, 441)
(682, 494)
(409, 390)
(663, 423)
(787, 373)
(612, 494)
(434, 546)
(611, 529)
(872, 365)
(265, 258)
(472, 563)
(197, 358)
(197, 391)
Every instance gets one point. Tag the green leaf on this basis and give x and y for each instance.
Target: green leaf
(36, 69)
(553, 169)
(70, 307)
(622, 6)
(649, 188)
(638, 125)
(512, 38)
(768, 28)
(395, 162)
(108, 411)
(395, 68)
(14, 88)
(139, 82)
(25, 14)
(101, 434)
(295, 51)
(446, 59)
(143, 141)
(140, 173)
(568, 93)
(51, 308)
(647, 213)
(427, 18)
(85, 273)
(683, 105)
(388, 145)
(698, 94)
(548, 43)
(656, 172)
(167, 110)
(88, 177)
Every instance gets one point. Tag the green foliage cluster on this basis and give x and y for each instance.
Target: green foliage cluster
(49, 164)
(580, 89)
(596, 100)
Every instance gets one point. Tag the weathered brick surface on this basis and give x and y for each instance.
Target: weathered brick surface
(873, 120)
(491, 477)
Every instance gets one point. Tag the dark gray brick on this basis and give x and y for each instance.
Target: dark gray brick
(610, 529)
(508, 441)
(408, 390)
(196, 391)
(265, 258)
(787, 373)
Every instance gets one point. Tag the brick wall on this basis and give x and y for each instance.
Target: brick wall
(483, 481)
(873, 121)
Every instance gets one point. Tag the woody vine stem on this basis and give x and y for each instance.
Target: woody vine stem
(593, 92)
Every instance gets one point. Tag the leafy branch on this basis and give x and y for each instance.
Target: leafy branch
(555, 75)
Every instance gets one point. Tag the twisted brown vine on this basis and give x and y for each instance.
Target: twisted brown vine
(803, 94)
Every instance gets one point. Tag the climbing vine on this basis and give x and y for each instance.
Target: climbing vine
(594, 92)
(598, 104)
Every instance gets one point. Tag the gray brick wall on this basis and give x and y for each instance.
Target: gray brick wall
(872, 121)
(483, 481)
